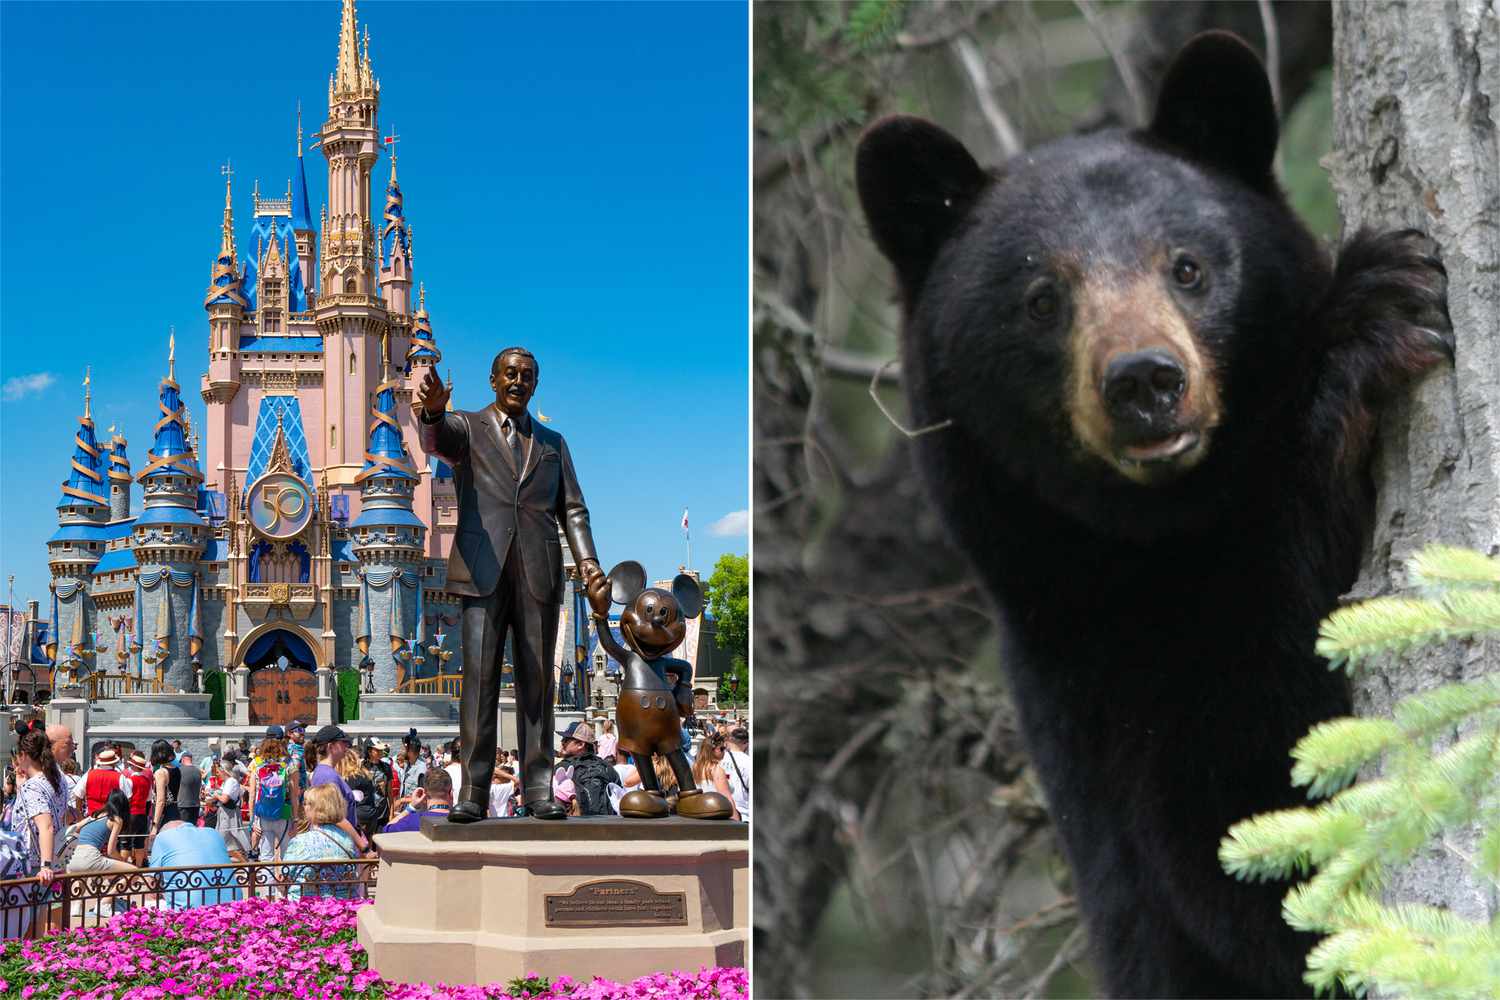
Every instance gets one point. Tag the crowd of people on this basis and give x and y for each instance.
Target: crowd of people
(295, 798)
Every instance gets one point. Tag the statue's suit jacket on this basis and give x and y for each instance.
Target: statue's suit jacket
(499, 504)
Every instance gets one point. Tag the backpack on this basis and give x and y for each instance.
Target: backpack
(591, 780)
(270, 791)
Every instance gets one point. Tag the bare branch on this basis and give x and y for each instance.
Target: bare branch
(1122, 65)
(1006, 137)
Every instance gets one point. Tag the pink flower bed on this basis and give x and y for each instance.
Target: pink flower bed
(260, 948)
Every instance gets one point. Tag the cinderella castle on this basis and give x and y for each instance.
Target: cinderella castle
(289, 559)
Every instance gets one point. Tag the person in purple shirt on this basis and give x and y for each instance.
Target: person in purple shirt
(328, 745)
(436, 793)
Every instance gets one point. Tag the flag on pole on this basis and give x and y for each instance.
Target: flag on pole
(684, 520)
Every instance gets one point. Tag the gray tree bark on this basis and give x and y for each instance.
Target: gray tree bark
(1415, 145)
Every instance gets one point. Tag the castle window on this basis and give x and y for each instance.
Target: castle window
(353, 360)
(349, 285)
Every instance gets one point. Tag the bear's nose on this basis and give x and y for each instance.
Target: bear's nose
(1143, 386)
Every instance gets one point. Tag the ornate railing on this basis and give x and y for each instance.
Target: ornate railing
(114, 685)
(449, 684)
(29, 909)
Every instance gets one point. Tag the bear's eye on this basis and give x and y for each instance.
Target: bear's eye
(1042, 303)
(1186, 272)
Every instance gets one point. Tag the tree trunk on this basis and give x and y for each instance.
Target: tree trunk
(1414, 97)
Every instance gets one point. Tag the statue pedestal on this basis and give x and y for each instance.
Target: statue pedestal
(601, 896)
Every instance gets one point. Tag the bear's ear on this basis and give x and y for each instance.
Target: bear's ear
(915, 182)
(688, 594)
(626, 581)
(1216, 107)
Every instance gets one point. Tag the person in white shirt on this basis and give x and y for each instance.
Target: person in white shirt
(503, 787)
(737, 769)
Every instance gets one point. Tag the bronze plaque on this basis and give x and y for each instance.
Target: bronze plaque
(616, 903)
(279, 696)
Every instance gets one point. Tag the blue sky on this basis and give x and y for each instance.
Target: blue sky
(576, 180)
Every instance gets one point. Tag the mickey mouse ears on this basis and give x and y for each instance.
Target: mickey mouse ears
(626, 580)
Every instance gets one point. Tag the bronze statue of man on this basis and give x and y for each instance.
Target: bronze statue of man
(515, 485)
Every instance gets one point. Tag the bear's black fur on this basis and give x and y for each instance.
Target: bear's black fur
(1162, 399)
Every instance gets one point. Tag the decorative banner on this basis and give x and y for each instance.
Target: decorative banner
(152, 578)
(13, 629)
(65, 590)
(195, 624)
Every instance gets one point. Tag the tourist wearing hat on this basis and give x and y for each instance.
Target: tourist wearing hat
(329, 745)
(104, 777)
(138, 770)
(582, 780)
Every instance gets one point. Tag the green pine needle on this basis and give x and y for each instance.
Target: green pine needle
(1443, 566)
(1355, 839)
(1396, 624)
(1330, 756)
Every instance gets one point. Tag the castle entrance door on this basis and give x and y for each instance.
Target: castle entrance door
(283, 686)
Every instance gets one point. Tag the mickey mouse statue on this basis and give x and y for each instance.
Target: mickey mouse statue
(650, 710)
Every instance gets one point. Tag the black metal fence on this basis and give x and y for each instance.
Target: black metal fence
(30, 909)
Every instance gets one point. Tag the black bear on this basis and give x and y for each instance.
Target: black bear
(1152, 400)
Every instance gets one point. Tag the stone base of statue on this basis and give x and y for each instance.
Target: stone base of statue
(600, 896)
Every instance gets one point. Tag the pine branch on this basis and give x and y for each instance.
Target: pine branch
(1443, 566)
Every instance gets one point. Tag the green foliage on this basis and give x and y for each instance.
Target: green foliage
(1440, 779)
(728, 595)
(528, 986)
(348, 688)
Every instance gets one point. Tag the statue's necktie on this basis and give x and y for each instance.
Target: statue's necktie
(513, 438)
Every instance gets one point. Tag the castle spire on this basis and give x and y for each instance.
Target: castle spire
(424, 348)
(225, 284)
(171, 455)
(299, 129)
(385, 453)
(346, 77)
(226, 238)
(84, 486)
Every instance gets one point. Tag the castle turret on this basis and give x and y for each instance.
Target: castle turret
(119, 479)
(302, 225)
(350, 141)
(169, 537)
(350, 314)
(395, 248)
(388, 541)
(424, 349)
(76, 546)
(225, 299)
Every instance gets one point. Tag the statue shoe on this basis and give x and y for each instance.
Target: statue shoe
(696, 804)
(547, 809)
(641, 804)
(466, 812)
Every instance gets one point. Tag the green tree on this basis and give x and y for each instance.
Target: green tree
(728, 594)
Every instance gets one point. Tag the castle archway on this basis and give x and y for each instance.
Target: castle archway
(283, 686)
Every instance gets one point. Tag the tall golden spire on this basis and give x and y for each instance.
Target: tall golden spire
(172, 353)
(347, 75)
(226, 237)
(87, 378)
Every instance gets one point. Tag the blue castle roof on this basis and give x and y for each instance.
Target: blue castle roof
(386, 454)
(301, 215)
(394, 232)
(169, 454)
(262, 231)
(84, 486)
(289, 409)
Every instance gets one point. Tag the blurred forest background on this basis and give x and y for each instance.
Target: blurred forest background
(902, 847)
